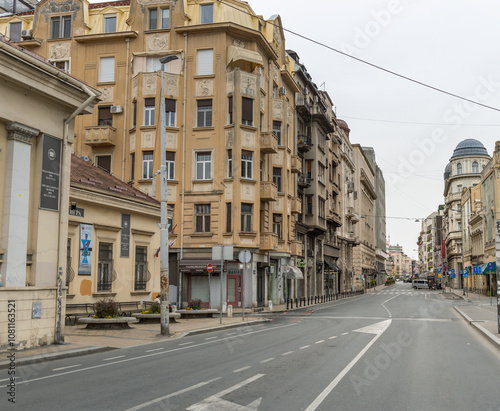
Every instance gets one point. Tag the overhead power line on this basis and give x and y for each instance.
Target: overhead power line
(421, 83)
(421, 123)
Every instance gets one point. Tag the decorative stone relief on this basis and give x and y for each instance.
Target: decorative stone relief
(262, 101)
(276, 71)
(148, 139)
(132, 142)
(248, 84)
(278, 204)
(157, 42)
(248, 192)
(204, 87)
(230, 82)
(229, 191)
(171, 192)
(145, 3)
(278, 109)
(149, 84)
(239, 43)
(278, 158)
(247, 139)
(134, 87)
(107, 93)
(171, 141)
(54, 7)
(59, 50)
(171, 85)
(78, 31)
(230, 138)
(20, 132)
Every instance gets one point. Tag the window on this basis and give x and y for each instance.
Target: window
(153, 64)
(205, 62)
(309, 166)
(149, 111)
(277, 130)
(247, 111)
(132, 166)
(153, 19)
(459, 168)
(62, 65)
(321, 173)
(246, 164)
(261, 72)
(229, 163)
(204, 166)
(246, 217)
(142, 274)
(15, 31)
(206, 13)
(475, 167)
(262, 169)
(309, 205)
(459, 188)
(277, 225)
(170, 163)
(134, 114)
(204, 113)
(275, 90)
(165, 18)
(277, 178)
(321, 206)
(104, 162)
(228, 218)
(105, 116)
(261, 121)
(60, 27)
(147, 165)
(106, 69)
(109, 23)
(230, 110)
(105, 267)
(170, 221)
(202, 217)
(321, 142)
(170, 110)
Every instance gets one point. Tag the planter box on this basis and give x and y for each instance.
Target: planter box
(156, 318)
(107, 323)
(198, 313)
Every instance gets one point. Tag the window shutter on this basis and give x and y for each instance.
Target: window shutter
(247, 109)
(170, 156)
(169, 104)
(107, 69)
(149, 101)
(205, 62)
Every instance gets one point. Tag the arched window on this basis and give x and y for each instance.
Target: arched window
(459, 168)
(475, 167)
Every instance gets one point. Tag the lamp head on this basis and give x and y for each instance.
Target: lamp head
(168, 59)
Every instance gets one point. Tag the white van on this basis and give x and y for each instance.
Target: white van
(420, 283)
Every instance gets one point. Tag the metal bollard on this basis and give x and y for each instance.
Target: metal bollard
(287, 306)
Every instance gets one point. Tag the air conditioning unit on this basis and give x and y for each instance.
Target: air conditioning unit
(282, 91)
(116, 109)
(26, 34)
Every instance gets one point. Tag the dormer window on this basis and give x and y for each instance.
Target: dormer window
(109, 23)
(459, 168)
(206, 13)
(475, 167)
(60, 27)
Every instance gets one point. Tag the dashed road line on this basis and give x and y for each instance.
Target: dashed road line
(186, 343)
(211, 338)
(344, 333)
(155, 349)
(269, 359)
(319, 342)
(65, 368)
(113, 358)
(304, 347)
(287, 353)
(242, 368)
(331, 338)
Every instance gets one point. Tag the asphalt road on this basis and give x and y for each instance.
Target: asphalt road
(396, 349)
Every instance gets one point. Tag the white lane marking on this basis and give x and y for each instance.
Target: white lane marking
(269, 359)
(113, 358)
(146, 404)
(211, 338)
(215, 402)
(304, 347)
(8, 379)
(155, 349)
(344, 333)
(331, 338)
(392, 298)
(186, 343)
(230, 333)
(382, 326)
(288, 353)
(64, 368)
(140, 357)
(242, 368)
(319, 342)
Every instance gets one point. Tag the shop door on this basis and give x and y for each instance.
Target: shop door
(260, 287)
(234, 290)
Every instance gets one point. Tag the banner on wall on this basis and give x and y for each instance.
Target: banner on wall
(85, 264)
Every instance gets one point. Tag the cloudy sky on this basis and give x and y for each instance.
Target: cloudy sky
(447, 44)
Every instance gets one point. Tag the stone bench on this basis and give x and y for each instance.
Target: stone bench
(198, 313)
(107, 323)
(156, 318)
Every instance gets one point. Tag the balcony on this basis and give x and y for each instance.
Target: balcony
(335, 188)
(268, 142)
(304, 180)
(268, 191)
(296, 205)
(296, 247)
(304, 143)
(99, 136)
(303, 106)
(268, 241)
(334, 217)
(296, 164)
(319, 114)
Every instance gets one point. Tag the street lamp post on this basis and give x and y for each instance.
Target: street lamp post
(164, 274)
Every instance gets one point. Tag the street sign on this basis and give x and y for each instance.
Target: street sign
(453, 275)
(209, 267)
(490, 266)
(301, 263)
(476, 270)
(452, 271)
(244, 256)
(465, 273)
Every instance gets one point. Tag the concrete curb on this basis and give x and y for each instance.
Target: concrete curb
(54, 356)
(222, 327)
(494, 339)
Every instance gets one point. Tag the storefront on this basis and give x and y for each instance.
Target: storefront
(201, 284)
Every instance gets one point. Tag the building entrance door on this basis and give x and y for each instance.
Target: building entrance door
(260, 287)
(234, 290)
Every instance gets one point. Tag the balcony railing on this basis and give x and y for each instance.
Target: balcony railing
(302, 105)
(304, 143)
(268, 241)
(100, 136)
(296, 164)
(304, 180)
(296, 205)
(268, 142)
(334, 217)
(268, 191)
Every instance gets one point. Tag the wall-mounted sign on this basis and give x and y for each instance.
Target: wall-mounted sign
(51, 165)
(85, 264)
(76, 211)
(125, 237)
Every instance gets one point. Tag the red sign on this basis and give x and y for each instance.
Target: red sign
(209, 267)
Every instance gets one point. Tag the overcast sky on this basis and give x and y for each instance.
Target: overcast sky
(448, 44)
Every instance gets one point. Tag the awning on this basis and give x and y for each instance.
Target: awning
(235, 53)
(332, 266)
(198, 265)
(294, 273)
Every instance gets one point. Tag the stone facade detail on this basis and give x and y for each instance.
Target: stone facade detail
(148, 139)
(132, 141)
(204, 87)
(157, 42)
(107, 93)
(59, 50)
(278, 109)
(20, 132)
(171, 84)
(134, 87)
(248, 192)
(248, 84)
(171, 141)
(230, 138)
(230, 82)
(54, 7)
(149, 84)
(248, 139)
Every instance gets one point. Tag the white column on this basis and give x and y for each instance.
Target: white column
(16, 202)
